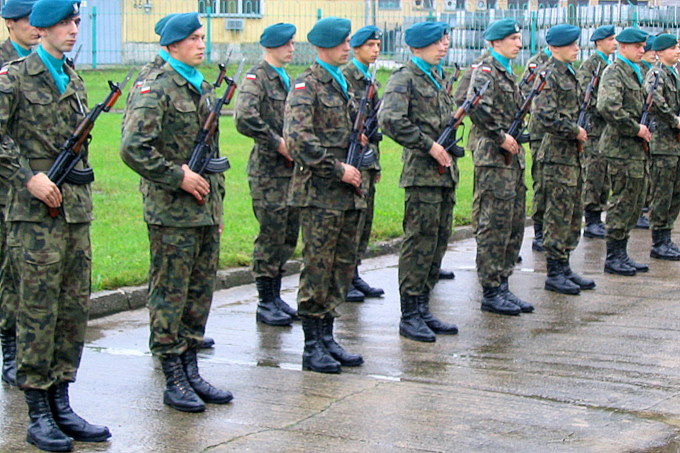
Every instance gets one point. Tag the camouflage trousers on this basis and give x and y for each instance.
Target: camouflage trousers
(665, 182)
(428, 214)
(329, 254)
(366, 218)
(182, 277)
(628, 182)
(595, 177)
(276, 239)
(53, 260)
(9, 300)
(538, 204)
(563, 209)
(500, 207)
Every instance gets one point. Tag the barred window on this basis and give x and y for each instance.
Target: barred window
(231, 8)
(389, 4)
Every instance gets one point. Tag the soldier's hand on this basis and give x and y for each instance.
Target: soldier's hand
(440, 155)
(363, 140)
(194, 183)
(677, 126)
(220, 228)
(510, 144)
(582, 135)
(351, 175)
(378, 177)
(283, 150)
(42, 188)
(644, 133)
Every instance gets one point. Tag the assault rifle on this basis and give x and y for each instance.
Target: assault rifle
(453, 79)
(63, 168)
(72, 61)
(371, 124)
(448, 138)
(647, 118)
(202, 160)
(517, 126)
(583, 114)
(529, 77)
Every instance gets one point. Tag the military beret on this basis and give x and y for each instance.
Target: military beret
(277, 35)
(562, 35)
(632, 35)
(364, 34)
(179, 27)
(664, 41)
(423, 34)
(500, 29)
(16, 9)
(602, 32)
(46, 13)
(649, 43)
(329, 32)
(160, 25)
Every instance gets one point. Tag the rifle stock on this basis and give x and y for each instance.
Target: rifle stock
(646, 117)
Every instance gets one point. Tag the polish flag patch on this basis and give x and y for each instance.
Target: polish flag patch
(300, 86)
(486, 69)
(251, 76)
(139, 84)
(4, 70)
(532, 65)
(474, 66)
(145, 89)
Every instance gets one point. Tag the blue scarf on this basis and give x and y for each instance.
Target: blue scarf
(504, 61)
(190, 74)
(362, 67)
(335, 72)
(285, 78)
(547, 52)
(427, 69)
(56, 68)
(20, 50)
(603, 56)
(164, 54)
(633, 66)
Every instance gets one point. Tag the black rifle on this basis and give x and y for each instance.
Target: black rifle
(647, 119)
(453, 79)
(448, 138)
(72, 61)
(528, 77)
(371, 124)
(63, 168)
(583, 114)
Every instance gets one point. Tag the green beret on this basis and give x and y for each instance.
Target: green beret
(500, 29)
(329, 32)
(602, 32)
(631, 35)
(562, 35)
(649, 43)
(160, 25)
(16, 9)
(664, 41)
(179, 27)
(364, 34)
(277, 35)
(46, 13)
(423, 34)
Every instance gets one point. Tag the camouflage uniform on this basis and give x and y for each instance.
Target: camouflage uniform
(317, 128)
(51, 255)
(499, 190)
(647, 199)
(413, 113)
(161, 124)
(460, 94)
(259, 114)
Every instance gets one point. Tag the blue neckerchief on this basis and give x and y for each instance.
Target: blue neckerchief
(362, 67)
(56, 68)
(164, 54)
(604, 57)
(190, 74)
(427, 69)
(569, 66)
(285, 78)
(547, 52)
(504, 61)
(633, 66)
(20, 50)
(335, 72)
(649, 65)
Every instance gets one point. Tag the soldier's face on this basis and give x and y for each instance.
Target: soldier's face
(282, 55)
(368, 52)
(565, 54)
(669, 56)
(607, 45)
(509, 46)
(22, 33)
(337, 55)
(60, 38)
(433, 53)
(632, 51)
(191, 49)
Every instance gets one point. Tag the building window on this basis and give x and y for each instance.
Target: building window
(389, 4)
(231, 8)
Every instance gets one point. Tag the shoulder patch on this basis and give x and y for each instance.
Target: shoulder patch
(486, 69)
(251, 76)
(474, 66)
(145, 89)
(4, 70)
(300, 86)
(533, 65)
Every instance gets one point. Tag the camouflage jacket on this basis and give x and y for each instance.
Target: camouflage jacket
(584, 75)
(494, 113)
(35, 120)
(413, 113)
(619, 100)
(556, 109)
(258, 114)
(7, 54)
(317, 126)
(537, 62)
(147, 70)
(644, 69)
(666, 108)
(160, 127)
(460, 94)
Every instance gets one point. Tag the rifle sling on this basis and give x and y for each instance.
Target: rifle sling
(46, 164)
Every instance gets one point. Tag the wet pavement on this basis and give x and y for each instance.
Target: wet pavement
(599, 372)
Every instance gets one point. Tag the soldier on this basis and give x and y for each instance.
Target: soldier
(366, 45)
(182, 209)
(649, 58)
(317, 128)
(595, 186)
(619, 101)
(259, 115)
(556, 108)
(42, 100)
(499, 190)
(414, 112)
(665, 149)
(22, 36)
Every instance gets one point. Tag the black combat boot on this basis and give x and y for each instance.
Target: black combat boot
(614, 263)
(446, 274)
(557, 281)
(433, 323)
(493, 302)
(268, 312)
(332, 346)
(504, 292)
(315, 356)
(366, 289)
(661, 246)
(43, 431)
(642, 222)
(537, 243)
(206, 343)
(203, 388)
(178, 392)
(287, 309)
(69, 422)
(354, 295)
(8, 339)
(412, 324)
(583, 283)
(639, 267)
(594, 226)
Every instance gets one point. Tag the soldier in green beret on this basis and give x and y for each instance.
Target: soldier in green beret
(182, 210)
(259, 114)
(649, 59)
